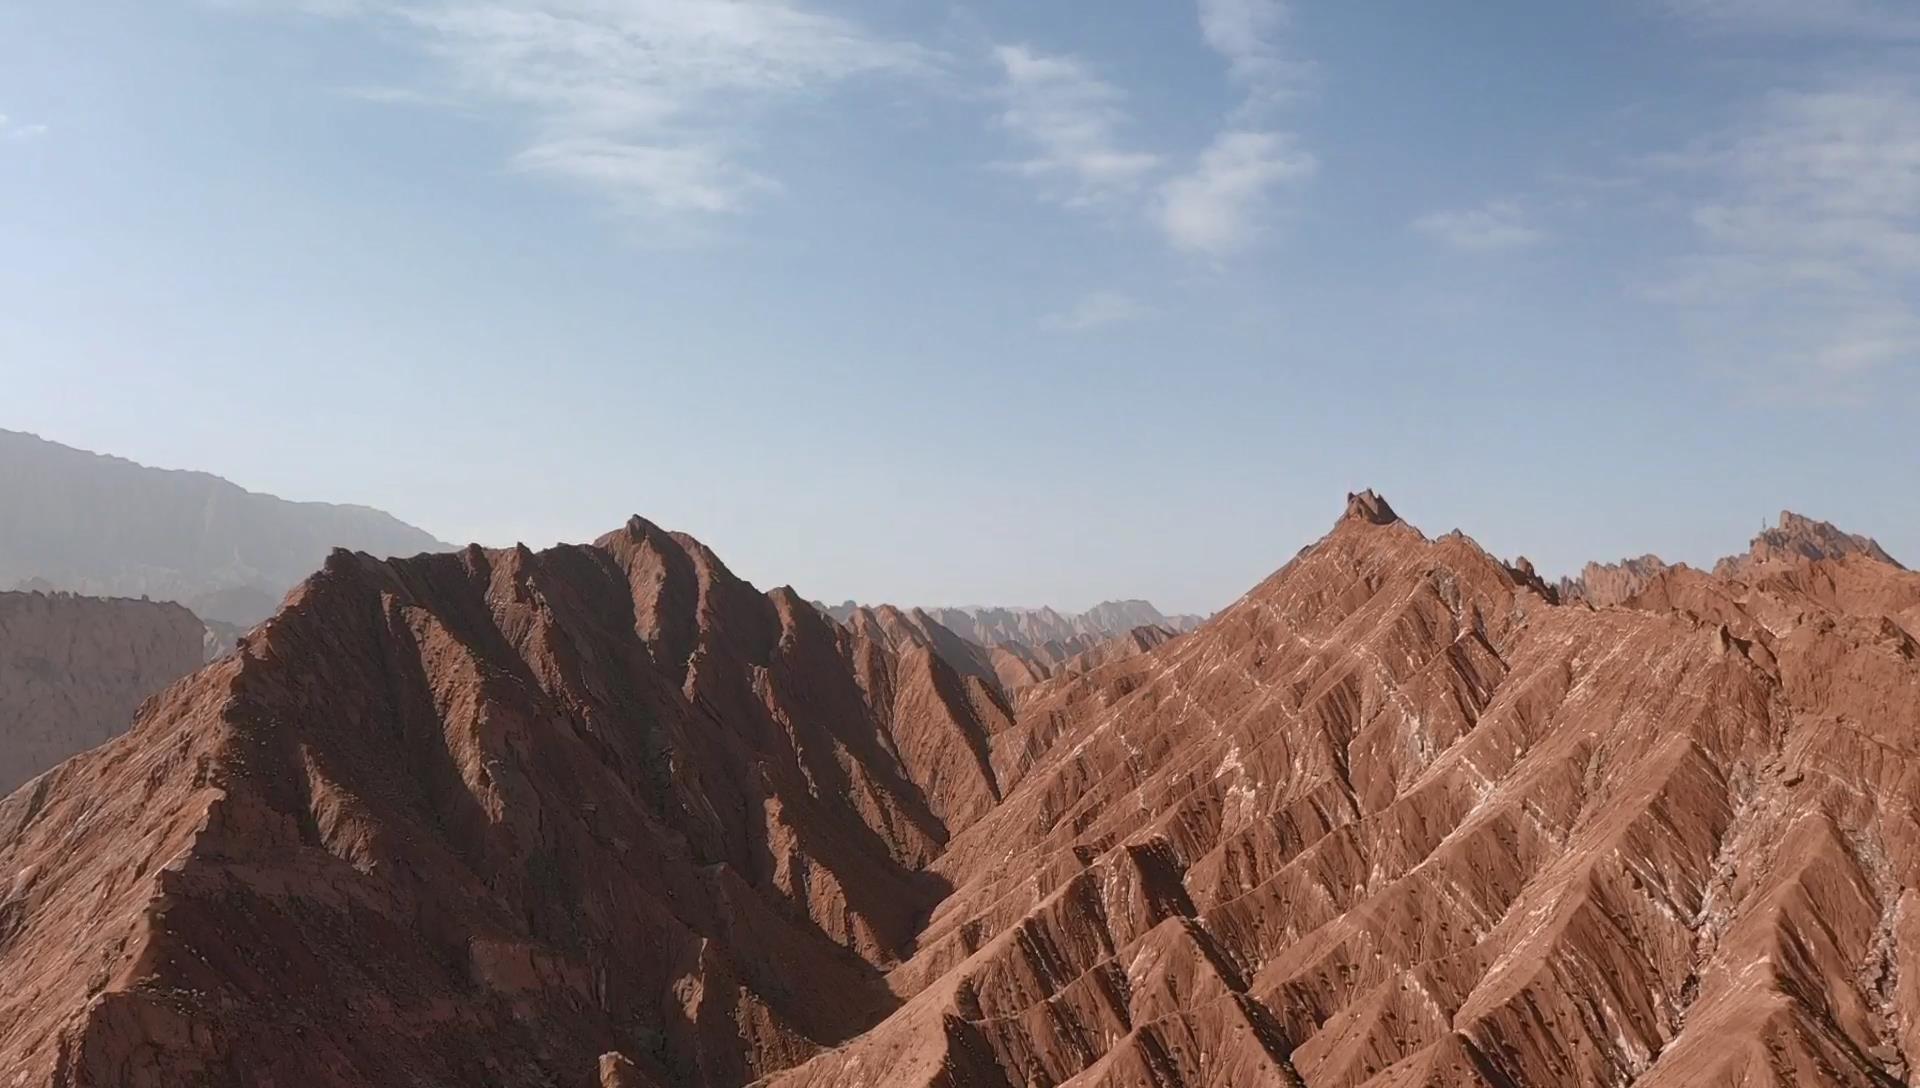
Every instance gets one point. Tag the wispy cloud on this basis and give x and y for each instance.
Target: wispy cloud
(1495, 225)
(655, 106)
(1887, 19)
(12, 130)
(1097, 310)
(642, 178)
(1072, 120)
(1075, 121)
(1221, 204)
(1806, 259)
(1249, 35)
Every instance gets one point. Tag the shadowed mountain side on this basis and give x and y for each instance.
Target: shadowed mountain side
(482, 817)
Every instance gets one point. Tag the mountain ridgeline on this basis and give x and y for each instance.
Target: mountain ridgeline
(1403, 815)
(88, 523)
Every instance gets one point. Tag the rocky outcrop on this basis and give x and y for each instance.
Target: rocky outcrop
(74, 669)
(1795, 538)
(609, 815)
(1604, 585)
(87, 523)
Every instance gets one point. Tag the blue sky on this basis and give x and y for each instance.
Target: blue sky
(995, 301)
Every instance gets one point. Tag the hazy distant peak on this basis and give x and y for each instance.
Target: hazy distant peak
(1796, 537)
(99, 524)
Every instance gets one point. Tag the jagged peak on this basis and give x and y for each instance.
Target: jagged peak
(1797, 536)
(1370, 507)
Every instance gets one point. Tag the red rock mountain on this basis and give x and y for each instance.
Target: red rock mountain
(608, 815)
(74, 669)
(1797, 537)
(1604, 584)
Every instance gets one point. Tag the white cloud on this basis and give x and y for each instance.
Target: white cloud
(1072, 119)
(1248, 34)
(642, 179)
(1097, 310)
(11, 130)
(1806, 255)
(1895, 19)
(1496, 225)
(648, 102)
(1221, 204)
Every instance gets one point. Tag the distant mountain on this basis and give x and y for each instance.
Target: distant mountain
(1798, 537)
(992, 626)
(1795, 538)
(74, 669)
(1034, 628)
(1606, 584)
(89, 523)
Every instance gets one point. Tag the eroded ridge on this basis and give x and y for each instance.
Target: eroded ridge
(607, 814)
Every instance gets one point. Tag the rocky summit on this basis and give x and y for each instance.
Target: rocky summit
(1403, 815)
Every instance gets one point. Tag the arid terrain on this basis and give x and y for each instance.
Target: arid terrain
(1402, 815)
(74, 669)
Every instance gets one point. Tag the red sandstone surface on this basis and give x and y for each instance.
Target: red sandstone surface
(609, 815)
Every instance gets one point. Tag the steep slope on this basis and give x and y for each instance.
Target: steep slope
(1138, 641)
(74, 669)
(87, 523)
(608, 814)
(1395, 819)
(482, 818)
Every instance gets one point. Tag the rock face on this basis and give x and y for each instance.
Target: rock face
(74, 669)
(608, 815)
(87, 523)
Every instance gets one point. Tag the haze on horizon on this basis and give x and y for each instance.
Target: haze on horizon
(982, 302)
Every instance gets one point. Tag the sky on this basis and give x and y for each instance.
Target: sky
(983, 302)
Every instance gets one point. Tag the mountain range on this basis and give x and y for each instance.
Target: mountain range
(607, 814)
(89, 523)
(74, 669)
